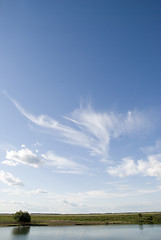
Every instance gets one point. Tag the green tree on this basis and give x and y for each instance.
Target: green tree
(22, 217)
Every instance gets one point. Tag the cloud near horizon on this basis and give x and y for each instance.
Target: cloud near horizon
(20, 192)
(91, 130)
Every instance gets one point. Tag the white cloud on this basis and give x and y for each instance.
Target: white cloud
(27, 157)
(10, 163)
(150, 167)
(64, 165)
(9, 179)
(23, 156)
(92, 130)
(127, 168)
(153, 166)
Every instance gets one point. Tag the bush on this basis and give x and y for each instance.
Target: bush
(139, 215)
(150, 219)
(22, 217)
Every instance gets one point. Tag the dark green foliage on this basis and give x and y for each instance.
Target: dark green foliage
(139, 215)
(149, 219)
(22, 217)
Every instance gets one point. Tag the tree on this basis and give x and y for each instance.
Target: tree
(22, 217)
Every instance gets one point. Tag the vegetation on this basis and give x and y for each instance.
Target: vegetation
(83, 219)
(22, 217)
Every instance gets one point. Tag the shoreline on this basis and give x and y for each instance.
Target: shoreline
(6, 220)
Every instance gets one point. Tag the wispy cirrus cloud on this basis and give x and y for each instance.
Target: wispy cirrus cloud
(9, 179)
(128, 167)
(63, 165)
(91, 129)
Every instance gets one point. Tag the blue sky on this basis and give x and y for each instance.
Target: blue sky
(80, 105)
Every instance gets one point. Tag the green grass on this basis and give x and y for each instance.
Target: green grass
(6, 219)
(80, 219)
(127, 218)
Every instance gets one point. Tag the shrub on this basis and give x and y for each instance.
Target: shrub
(139, 215)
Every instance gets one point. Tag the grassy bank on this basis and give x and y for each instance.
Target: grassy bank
(85, 219)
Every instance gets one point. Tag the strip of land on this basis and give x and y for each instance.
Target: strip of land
(85, 219)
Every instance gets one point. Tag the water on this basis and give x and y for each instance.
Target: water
(108, 232)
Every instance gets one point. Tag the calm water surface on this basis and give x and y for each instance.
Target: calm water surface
(108, 232)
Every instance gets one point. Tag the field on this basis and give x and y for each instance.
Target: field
(85, 219)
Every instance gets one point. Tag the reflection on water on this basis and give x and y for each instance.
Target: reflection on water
(141, 226)
(100, 232)
(21, 230)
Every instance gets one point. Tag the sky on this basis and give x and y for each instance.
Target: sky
(80, 106)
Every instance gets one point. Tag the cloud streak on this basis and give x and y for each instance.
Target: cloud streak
(9, 179)
(22, 192)
(64, 165)
(91, 130)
